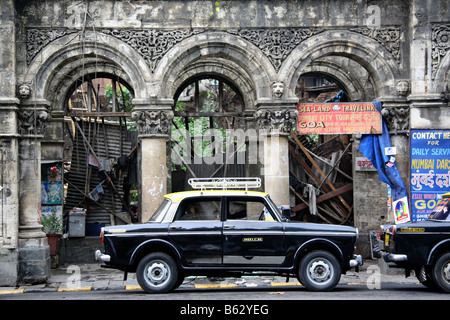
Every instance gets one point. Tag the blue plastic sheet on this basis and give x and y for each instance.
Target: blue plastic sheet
(373, 147)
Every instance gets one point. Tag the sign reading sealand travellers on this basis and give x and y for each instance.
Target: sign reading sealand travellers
(338, 118)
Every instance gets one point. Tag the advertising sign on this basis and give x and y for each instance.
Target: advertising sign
(401, 211)
(430, 170)
(363, 164)
(338, 118)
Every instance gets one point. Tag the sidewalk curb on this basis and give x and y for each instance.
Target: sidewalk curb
(94, 278)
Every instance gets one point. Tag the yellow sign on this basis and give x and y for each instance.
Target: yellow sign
(258, 239)
(412, 229)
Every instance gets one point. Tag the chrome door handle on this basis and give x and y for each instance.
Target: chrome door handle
(227, 226)
(175, 227)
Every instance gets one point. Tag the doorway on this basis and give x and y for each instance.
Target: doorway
(100, 153)
(208, 111)
(321, 181)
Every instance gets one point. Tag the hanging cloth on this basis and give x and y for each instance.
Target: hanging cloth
(373, 147)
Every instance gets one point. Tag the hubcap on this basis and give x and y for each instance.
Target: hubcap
(446, 272)
(319, 271)
(157, 273)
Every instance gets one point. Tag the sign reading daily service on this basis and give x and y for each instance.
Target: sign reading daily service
(338, 118)
(430, 170)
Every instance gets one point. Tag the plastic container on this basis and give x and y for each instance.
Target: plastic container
(77, 222)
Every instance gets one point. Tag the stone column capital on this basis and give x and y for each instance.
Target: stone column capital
(33, 117)
(276, 118)
(153, 117)
(32, 123)
(395, 112)
(153, 122)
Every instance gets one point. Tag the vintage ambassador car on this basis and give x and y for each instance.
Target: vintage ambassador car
(420, 246)
(227, 233)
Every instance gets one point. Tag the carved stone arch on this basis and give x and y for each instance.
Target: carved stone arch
(65, 60)
(441, 81)
(345, 77)
(221, 68)
(61, 87)
(440, 58)
(235, 59)
(368, 53)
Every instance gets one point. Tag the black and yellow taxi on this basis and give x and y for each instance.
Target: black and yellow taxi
(422, 246)
(219, 230)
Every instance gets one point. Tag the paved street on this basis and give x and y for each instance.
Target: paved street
(90, 282)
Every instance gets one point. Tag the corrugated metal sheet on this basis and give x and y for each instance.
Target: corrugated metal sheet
(110, 142)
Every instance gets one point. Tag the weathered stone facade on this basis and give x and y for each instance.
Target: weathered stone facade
(393, 51)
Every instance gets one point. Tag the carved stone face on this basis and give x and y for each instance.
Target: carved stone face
(277, 89)
(24, 91)
(403, 87)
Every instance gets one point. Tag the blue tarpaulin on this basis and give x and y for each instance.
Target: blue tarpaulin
(373, 147)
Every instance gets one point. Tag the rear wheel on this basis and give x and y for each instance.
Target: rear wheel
(441, 272)
(157, 273)
(423, 274)
(319, 271)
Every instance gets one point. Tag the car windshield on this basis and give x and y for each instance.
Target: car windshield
(159, 214)
(274, 207)
(441, 211)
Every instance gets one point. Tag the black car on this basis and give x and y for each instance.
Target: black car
(420, 246)
(227, 233)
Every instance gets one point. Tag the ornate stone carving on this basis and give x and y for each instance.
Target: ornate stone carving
(397, 119)
(277, 89)
(24, 91)
(152, 44)
(33, 122)
(153, 121)
(403, 87)
(440, 45)
(281, 121)
(276, 44)
(388, 37)
(39, 38)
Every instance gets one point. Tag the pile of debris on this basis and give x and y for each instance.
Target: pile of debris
(321, 179)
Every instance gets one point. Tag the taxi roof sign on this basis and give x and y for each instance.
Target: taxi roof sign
(224, 183)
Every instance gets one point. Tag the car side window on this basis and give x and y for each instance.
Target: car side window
(248, 209)
(199, 209)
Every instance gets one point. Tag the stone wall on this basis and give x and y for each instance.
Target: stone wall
(375, 49)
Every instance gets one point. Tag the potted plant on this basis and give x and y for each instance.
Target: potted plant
(52, 225)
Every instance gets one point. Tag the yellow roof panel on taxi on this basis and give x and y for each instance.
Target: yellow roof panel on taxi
(178, 196)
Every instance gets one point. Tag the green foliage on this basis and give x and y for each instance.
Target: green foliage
(123, 96)
(51, 223)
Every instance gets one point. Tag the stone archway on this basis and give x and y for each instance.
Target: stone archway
(362, 50)
(53, 67)
(242, 63)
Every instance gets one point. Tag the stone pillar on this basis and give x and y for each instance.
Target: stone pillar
(34, 252)
(276, 168)
(153, 122)
(276, 122)
(9, 186)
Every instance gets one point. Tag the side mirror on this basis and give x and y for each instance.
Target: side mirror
(286, 214)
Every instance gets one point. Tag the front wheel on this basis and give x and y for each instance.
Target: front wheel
(157, 273)
(319, 271)
(441, 272)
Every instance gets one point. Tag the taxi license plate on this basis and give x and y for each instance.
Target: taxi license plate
(386, 239)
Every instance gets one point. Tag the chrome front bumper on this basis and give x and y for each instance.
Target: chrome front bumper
(99, 256)
(356, 261)
(391, 257)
